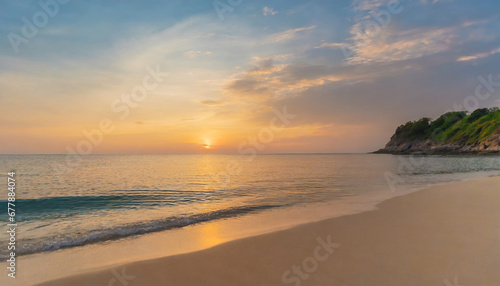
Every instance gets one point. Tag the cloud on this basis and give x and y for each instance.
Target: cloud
(387, 100)
(405, 36)
(433, 1)
(404, 45)
(332, 45)
(479, 56)
(269, 80)
(289, 34)
(212, 102)
(268, 11)
(265, 66)
(365, 5)
(374, 5)
(390, 44)
(275, 78)
(194, 54)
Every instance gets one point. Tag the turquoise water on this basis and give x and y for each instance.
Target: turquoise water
(107, 197)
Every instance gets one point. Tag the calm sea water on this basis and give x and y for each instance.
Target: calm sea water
(108, 197)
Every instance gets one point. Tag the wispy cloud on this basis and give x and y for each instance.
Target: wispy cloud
(194, 54)
(268, 11)
(212, 102)
(290, 34)
(433, 1)
(479, 56)
(331, 45)
(393, 45)
(365, 5)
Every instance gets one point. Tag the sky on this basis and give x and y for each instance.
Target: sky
(229, 76)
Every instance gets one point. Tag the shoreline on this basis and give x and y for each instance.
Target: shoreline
(436, 152)
(237, 262)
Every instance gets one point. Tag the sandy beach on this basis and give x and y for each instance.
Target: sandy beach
(444, 235)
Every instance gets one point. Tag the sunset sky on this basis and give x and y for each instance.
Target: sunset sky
(348, 83)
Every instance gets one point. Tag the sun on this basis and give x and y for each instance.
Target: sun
(207, 143)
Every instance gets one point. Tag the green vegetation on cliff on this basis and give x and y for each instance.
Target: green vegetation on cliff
(453, 127)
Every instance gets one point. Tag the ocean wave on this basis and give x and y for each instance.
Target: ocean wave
(426, 169)
(121, 199)
(44, 244)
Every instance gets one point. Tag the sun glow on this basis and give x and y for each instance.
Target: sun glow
(207, 144)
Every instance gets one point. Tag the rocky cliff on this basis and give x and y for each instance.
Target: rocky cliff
(452, 133)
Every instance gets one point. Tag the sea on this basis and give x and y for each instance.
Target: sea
(105, 198)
